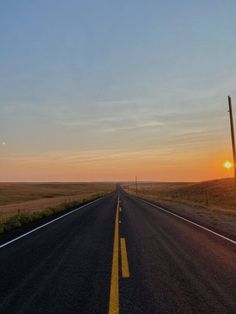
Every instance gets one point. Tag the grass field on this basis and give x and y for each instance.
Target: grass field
(217, 194)
(30, 197)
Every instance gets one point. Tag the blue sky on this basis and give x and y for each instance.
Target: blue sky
(114, 79)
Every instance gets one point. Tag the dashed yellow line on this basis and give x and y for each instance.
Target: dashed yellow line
(124, 259)
(114, 289)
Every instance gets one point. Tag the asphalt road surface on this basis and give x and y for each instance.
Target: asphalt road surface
(118, 256)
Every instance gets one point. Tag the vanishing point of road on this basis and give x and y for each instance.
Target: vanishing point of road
(118, 254)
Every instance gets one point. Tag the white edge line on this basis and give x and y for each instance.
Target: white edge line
(191, 222)
(48, 223)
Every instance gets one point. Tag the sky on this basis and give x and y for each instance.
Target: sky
(95, 90)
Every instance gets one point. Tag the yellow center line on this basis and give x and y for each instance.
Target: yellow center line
(124, 259)
(114, 289)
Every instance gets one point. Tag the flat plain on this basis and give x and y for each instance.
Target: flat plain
(30, 197)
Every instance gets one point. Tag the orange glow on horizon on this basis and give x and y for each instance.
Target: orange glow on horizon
(116, 166)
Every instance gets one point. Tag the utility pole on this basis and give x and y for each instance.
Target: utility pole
(136, 184)
(232, 137)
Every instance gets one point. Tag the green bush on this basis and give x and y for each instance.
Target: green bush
(12, 223)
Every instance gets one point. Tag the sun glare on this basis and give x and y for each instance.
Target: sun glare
(228, 165)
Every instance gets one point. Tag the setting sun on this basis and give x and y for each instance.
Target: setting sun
(228, 165)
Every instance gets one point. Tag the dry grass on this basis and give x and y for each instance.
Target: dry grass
(31, 197)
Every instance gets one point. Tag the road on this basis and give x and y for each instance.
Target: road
(115, 256)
